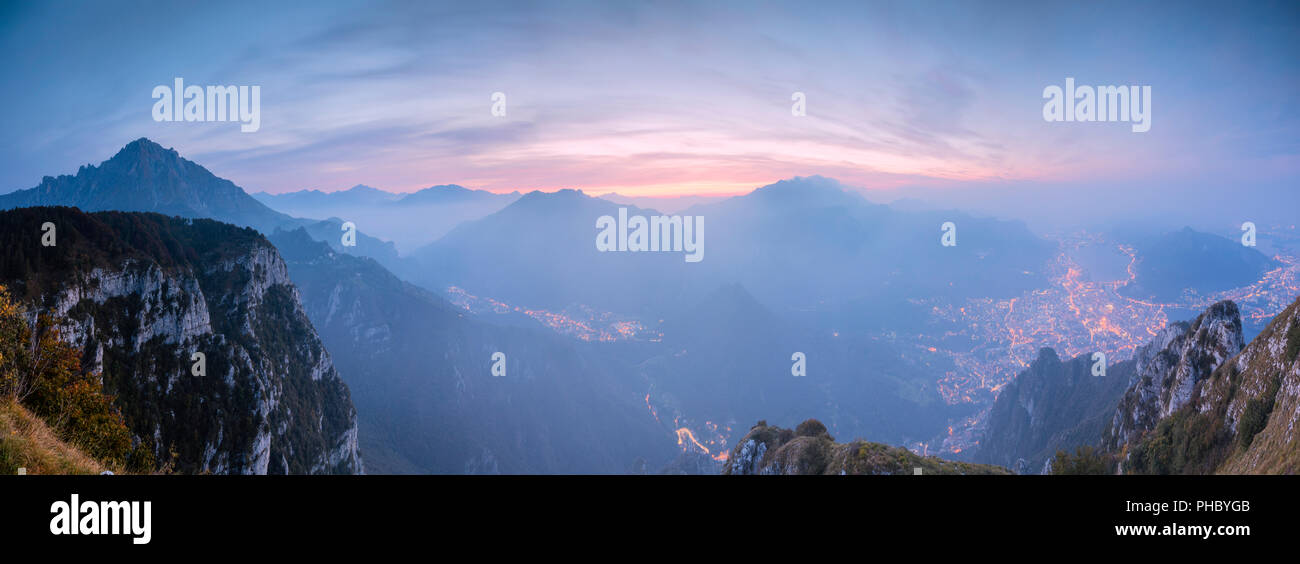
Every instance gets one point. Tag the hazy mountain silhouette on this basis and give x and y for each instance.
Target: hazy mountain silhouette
(808, 240)
(299, 202)
(1190, 260)
(454, 194)
(666, 204)
(540, 251)
(409, 220)
(143, 176)
(800, 243)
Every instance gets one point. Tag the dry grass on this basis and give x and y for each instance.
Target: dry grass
(27, 442)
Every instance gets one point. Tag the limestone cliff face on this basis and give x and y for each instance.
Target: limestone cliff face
(144, 295)
(1197, 402)
(1259, 397)
(1052, 405)
(1169, 368)
(1242, 419)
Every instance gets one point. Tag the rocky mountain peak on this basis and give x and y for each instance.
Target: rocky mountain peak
(145, 176)
(1169, 368)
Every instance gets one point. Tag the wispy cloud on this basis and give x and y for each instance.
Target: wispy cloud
(647, 98)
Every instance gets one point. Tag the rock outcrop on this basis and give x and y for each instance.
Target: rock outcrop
(810, 449)
(1052, 405)
(1241, 419)
(198, 334)
(1169, 368)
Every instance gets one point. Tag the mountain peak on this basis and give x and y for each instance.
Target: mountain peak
(446, 193)
(556, 200)
(145, 176)
(561, 193)
(801, 185)
(1172, 368)
(805, 191)
(144, 148)
(144, 143)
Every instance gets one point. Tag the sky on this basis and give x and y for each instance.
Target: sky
(937, 100)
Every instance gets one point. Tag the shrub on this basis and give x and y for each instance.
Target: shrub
(1255, 416)
(1085, 460)
(43, 372)
(811, 428)
(14, 335)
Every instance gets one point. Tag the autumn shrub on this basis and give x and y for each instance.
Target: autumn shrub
(43, 372)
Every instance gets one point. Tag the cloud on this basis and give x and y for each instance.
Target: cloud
(643, 96)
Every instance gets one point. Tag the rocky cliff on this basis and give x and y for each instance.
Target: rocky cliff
(199, 335)
(1197, 402)
(1240, 419)
(1170, 367)
(1052, 405)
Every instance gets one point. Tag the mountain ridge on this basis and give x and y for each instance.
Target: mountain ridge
(142, 295)
(144, 176)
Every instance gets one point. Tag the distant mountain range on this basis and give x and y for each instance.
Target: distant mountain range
(798, 266)
(802, 243)
(409, 220)
(315, 200)
(540, 252)
(665, 204)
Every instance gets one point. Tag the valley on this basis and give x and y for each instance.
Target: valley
(907, 343)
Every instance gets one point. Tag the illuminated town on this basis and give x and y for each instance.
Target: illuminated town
(1078, 313)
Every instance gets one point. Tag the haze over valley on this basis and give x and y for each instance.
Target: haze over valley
(651, 238)
(642, 362)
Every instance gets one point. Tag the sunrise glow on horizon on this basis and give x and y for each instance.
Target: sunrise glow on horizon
(659, 100)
